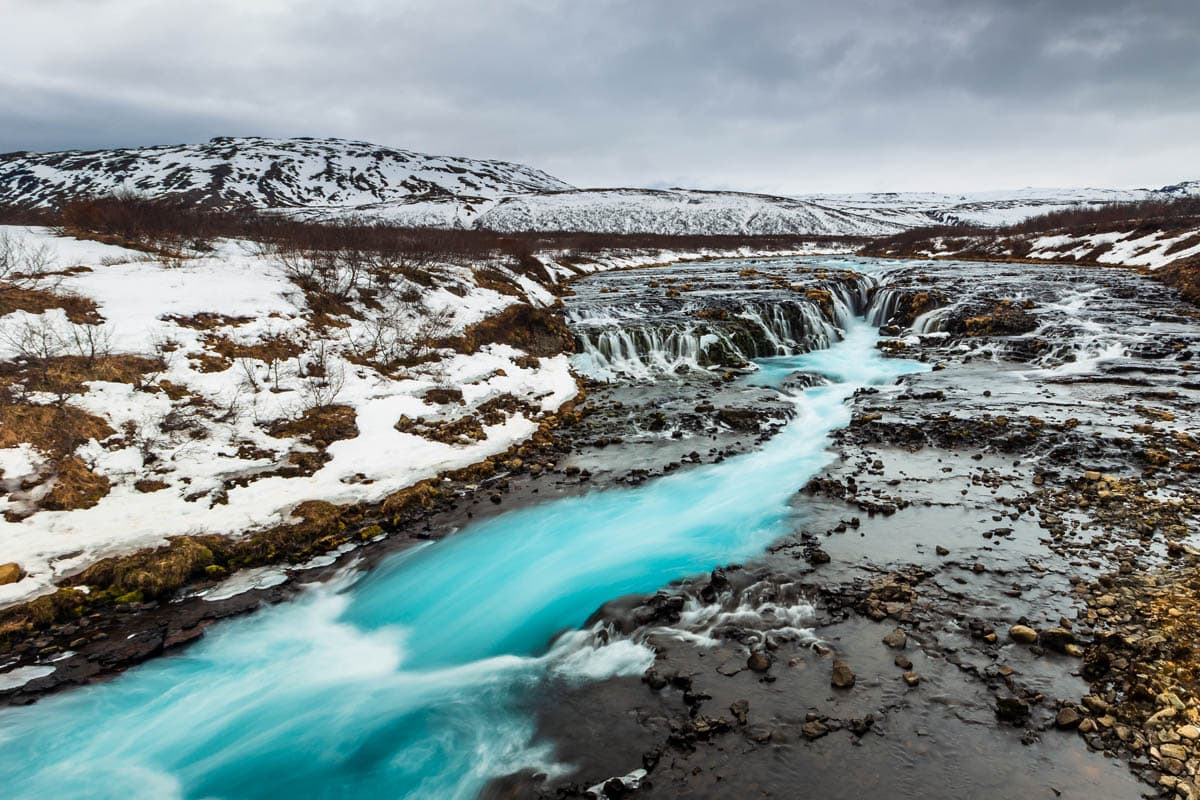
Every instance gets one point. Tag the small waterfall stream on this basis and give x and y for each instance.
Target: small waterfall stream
(411, 680)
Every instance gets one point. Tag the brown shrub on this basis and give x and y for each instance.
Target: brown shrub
(443, 396)
(69, 374)
(153, 573)
(54, 430)
(80, 310)
(207, 321)
(320, 426)
(270, 349)
(75, 486)
(538, 331)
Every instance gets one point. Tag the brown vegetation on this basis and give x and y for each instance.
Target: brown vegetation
(320, 426)
(55, 430)
(80, 310)
(64, 375)
(75, 486)
(538, 331)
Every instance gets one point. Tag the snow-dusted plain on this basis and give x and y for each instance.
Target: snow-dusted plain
(334, 178)
(206, 443)
(1125, 246)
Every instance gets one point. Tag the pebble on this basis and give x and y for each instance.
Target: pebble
(1067, 717)
(1023, 634)
(759, 661)
(842, 677)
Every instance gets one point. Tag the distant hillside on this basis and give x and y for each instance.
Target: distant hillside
(334, 178)
(265, 173)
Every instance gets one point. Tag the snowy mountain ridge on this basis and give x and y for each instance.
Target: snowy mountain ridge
(335, 178)
(264, 173)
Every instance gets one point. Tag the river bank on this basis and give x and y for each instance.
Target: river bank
(994, 558)
(961, 504)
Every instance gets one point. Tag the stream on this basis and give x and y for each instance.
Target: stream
(414, 679)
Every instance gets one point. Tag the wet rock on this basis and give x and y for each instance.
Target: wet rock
(1067, 717)
(897, 639)
(903, 662)
(616, 788)
(10, 573)
(1057, 639)
(1023, 634)
(941, 551)
(740, 419)
(911, 678)
(740, 709)
(841, 677)
(1012, 710)
(860, 725)
(814, 730)
(759, 661)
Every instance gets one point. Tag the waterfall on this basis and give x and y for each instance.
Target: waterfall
(646, 335)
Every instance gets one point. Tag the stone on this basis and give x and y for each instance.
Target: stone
(1056, 639)
(1188, 731)
(941, 551)
(1012, 709)
(1067, 717)
(1023, 634)
(1176, 751)
(1088, 725)
(842, 677)
(1161, 717)
(903, 662)
(759, 661)
(911, 678)
(814, 730)
(897, 639)
(10, 573)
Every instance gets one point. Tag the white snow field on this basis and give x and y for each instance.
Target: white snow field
(207, 440)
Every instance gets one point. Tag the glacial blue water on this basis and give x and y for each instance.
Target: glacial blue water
(411, 680)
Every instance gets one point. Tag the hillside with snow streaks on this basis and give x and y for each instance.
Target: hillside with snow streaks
(265, 173)
(321, 179)
(677, 211)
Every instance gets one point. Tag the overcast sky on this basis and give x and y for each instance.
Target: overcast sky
(763, 95)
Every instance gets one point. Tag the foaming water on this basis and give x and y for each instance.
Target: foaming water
(413, 680)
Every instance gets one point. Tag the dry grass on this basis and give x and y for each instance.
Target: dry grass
(538, 331)
(70, 374)
(207, 321)
(80, 310)
(320, 426)
(54, 430)
(270, 349)
(75, 486)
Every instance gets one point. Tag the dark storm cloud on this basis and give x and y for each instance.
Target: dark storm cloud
(758, 94)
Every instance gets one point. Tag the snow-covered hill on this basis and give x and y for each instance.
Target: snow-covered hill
(334, 178)
(678, 211)
(265, 173)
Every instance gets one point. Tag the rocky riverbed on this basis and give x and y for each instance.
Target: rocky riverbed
(989, 592)
(993, 589)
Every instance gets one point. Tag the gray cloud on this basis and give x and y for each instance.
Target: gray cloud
(771, 95)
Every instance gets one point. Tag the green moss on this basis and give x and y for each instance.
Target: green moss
(135, 596)
(370, 532)
(215, 571)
